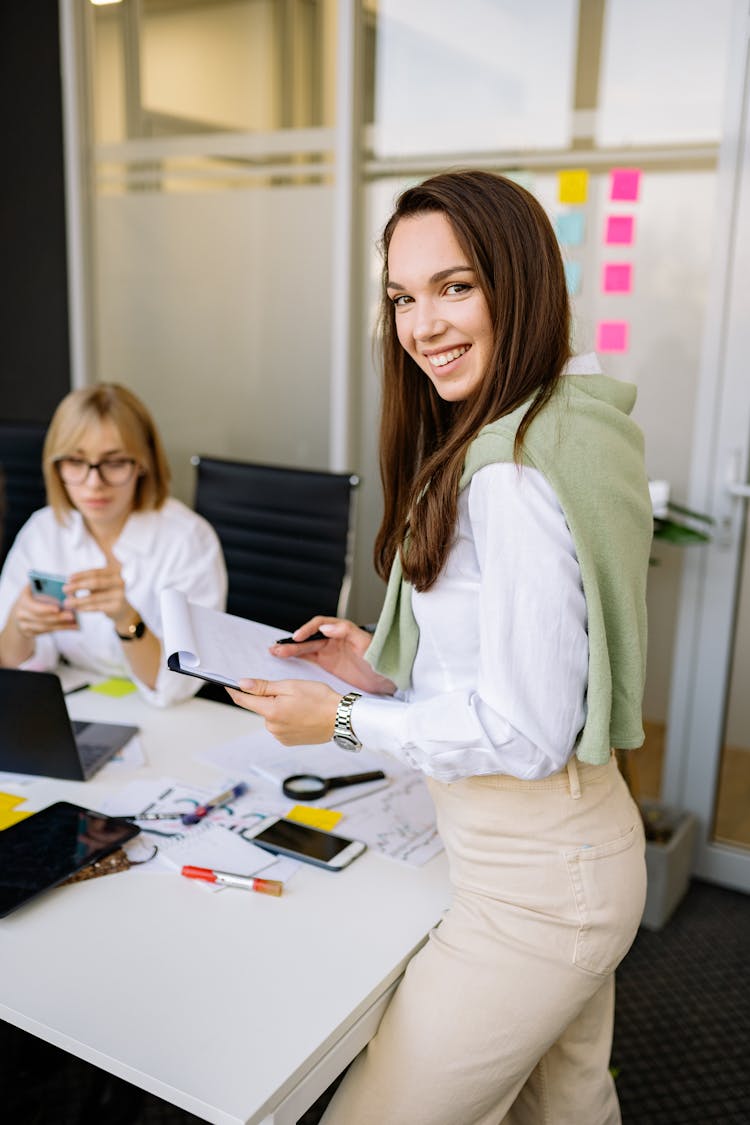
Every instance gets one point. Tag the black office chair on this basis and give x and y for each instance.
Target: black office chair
(20, 477)
(287, 536)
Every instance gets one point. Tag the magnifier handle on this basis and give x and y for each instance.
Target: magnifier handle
(355, 779)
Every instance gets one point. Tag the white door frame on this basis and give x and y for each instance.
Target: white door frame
(720, 458)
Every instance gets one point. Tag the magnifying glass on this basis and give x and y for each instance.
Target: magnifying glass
(308, 787)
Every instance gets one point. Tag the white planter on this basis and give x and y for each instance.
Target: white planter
(668, 866)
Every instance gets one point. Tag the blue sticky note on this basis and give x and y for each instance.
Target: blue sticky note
(573, 277)
(570, 227)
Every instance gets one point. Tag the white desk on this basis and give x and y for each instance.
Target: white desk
(237, 1007)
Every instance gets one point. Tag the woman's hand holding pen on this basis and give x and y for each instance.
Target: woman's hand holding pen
(341, 652)
(297, 712)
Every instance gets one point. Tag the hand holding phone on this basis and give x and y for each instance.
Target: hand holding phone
(45, 585)
(39, 609)
(310, 845)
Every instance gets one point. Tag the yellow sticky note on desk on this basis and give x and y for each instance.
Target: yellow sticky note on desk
(315, 818)
(11, 816)
(10, 800)
(573, 185)
(114, 686)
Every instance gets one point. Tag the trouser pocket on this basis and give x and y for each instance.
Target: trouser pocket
(609, 885)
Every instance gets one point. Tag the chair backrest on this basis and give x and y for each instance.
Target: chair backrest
(287, 536)
(21, 479)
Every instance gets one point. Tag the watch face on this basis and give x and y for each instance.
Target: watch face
(346, 742)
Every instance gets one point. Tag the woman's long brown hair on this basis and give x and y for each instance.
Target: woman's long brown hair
(510, 244)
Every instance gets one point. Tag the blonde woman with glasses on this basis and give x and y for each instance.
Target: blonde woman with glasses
(117, 537)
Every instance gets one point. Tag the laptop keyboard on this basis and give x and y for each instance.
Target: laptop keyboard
(92, 752)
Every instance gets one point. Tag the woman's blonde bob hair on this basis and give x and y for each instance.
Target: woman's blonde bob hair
(137, 429)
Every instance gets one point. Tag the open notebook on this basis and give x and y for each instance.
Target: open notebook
(224, 649)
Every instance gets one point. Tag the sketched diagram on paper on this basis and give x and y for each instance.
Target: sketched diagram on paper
(398, 821)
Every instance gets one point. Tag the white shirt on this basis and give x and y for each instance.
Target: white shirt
(499, 680)
(169, 547)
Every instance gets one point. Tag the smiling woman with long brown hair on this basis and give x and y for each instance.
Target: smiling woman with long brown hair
(507, 664)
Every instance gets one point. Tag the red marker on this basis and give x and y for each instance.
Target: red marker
(227, 879)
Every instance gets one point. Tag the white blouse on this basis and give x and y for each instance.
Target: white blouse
(170, 547)
(499, 680)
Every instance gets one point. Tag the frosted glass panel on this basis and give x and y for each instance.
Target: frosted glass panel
(214, 64)
(215, 309)
(663, 71)
(477, 76)
(165, 67)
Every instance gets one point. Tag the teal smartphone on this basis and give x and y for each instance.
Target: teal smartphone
(45, 585)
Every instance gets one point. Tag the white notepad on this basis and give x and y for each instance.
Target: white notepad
(224, 649)
(210, 845)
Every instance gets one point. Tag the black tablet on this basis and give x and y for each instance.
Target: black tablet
(45, 848)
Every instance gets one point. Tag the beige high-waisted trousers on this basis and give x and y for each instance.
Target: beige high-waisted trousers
(505, 1015)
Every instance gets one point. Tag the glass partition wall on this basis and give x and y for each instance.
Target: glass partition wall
(213, 221)
(217, 159)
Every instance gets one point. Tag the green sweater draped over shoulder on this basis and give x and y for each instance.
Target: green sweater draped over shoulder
(591, 452)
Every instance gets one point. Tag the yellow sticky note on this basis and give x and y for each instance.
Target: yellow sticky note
(573, 185)
(10, 800)
(115, 686)
(11, 816)
(316, 818)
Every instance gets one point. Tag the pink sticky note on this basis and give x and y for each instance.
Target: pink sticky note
(620, 229)
(617, 277)
(612, 336)
(624, 183)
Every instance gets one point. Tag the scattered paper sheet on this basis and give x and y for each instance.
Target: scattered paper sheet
(259, 755)
(399, 822)
(212, 845)
(164, 795)
(396, 819)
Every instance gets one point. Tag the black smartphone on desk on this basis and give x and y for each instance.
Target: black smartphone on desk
(311, 845)
(44, 849)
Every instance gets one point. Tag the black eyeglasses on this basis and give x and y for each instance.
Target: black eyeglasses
(113, 470)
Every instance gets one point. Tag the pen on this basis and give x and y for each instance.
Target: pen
(73, 690)
(291, 641)
(317, 637)
(155, 816)
(246, 882)
(202, 810)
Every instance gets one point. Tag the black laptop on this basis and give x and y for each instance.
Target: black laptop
(37, 736)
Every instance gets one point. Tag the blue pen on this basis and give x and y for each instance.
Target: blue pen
(203, 810)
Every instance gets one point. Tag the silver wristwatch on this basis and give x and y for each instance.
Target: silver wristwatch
(343, 735)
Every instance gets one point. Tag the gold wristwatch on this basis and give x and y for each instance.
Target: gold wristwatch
(133, 632)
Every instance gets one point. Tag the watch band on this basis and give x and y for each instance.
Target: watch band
(343, 734)
(134, 631)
